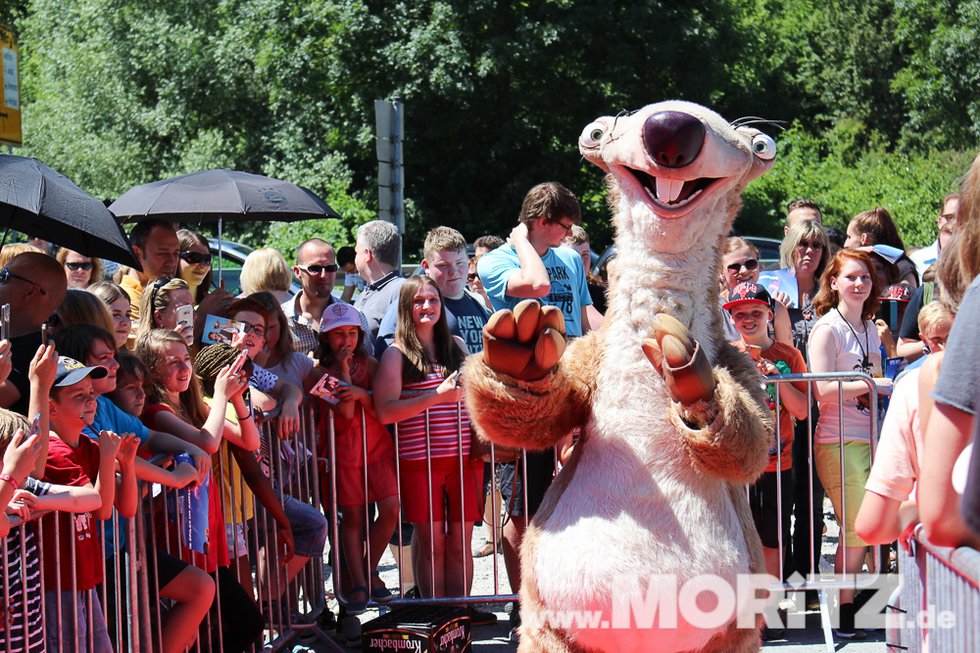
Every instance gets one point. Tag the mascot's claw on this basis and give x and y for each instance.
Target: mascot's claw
(679, 359)
(526, 343)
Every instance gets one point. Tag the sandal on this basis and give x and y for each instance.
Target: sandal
(485, 550)
(380, 594)
(357, 607)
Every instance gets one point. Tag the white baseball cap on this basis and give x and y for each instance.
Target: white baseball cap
(339, 314)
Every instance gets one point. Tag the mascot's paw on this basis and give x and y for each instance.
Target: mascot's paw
(679, 359)
(526, 343)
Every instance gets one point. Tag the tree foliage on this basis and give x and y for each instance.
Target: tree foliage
(121, 92)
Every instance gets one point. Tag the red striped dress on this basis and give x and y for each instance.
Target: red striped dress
(448, 424)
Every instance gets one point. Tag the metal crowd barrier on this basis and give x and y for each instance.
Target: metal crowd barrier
(130, 600)
(939, 598)
(293, 468)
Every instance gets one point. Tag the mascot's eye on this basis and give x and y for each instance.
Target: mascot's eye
(764, 147)
(592, 135)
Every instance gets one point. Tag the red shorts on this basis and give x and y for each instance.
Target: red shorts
(446, 490)
(381, 482)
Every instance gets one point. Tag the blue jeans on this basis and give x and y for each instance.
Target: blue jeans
(308, 524)
(91, 622)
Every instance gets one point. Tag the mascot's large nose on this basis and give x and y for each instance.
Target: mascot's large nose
(673, 139)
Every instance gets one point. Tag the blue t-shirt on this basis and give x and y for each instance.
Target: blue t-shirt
(110, 417)
(569, 290)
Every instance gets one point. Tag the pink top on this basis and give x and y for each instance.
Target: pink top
(448, 424)
(896, 465)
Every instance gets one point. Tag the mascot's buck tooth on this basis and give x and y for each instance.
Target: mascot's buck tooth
(674, 421)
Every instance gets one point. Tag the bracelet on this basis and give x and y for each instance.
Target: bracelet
(242, 419)
(10, 479)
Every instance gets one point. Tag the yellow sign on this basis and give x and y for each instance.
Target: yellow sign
(10, 132)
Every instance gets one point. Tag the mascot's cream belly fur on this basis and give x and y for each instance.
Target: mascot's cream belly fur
(673, 418)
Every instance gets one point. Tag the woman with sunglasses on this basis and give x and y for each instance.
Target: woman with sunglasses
(82, 271)
(740, 264)
(194, 266)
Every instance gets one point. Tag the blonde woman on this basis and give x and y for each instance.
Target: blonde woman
(265, 270)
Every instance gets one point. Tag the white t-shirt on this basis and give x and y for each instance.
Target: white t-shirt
(852, 346)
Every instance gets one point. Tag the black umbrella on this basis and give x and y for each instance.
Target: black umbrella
(44, 203)
(220, 195)
(217, 195)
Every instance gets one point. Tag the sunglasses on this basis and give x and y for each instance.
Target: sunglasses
(75, 267)
(472, 275)
(749, 265)
(195, 258)
(816, 244)
(6, 275)
(317, 269)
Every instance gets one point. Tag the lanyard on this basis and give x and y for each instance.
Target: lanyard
(865, 362)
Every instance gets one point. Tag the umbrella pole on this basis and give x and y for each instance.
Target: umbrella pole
(219, 251)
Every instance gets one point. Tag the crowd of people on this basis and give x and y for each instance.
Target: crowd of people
(110, 380)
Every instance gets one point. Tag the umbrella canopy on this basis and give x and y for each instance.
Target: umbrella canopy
(44, 203)
(221, 195)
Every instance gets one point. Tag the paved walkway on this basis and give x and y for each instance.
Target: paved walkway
(494, 639)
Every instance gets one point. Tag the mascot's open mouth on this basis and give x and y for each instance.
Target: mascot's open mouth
(671, 194)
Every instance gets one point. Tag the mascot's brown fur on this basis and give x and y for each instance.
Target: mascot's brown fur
(673, 418)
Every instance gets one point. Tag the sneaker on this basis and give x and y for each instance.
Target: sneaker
(480, 617)
(349, 632)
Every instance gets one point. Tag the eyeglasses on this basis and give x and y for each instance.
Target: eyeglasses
(317, 269)
(6, 275)
(566, 226)
(83, 265)
(806, 244)
(254, 328)
(749, 265)
(195, 258)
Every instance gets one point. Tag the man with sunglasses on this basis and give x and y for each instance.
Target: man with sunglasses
(34, 285)
(316, 270)
(155, 246)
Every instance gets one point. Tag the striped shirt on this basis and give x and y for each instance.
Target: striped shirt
(20, 586)
(448, 423)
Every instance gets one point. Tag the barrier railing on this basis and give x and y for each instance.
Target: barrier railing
(939, 598)
(135, 618)
(129, 600)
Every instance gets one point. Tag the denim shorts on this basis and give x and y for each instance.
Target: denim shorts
(308, 524)
(90, 626)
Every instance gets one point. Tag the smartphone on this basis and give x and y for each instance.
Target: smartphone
(35, 424)
(45, 334)
(458, 381)
(5, 322)
(185, 314)
(239, 363)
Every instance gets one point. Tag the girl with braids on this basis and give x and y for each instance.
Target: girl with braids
(159, 305)
(238, 465)
(360, 439)
(416, 387)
